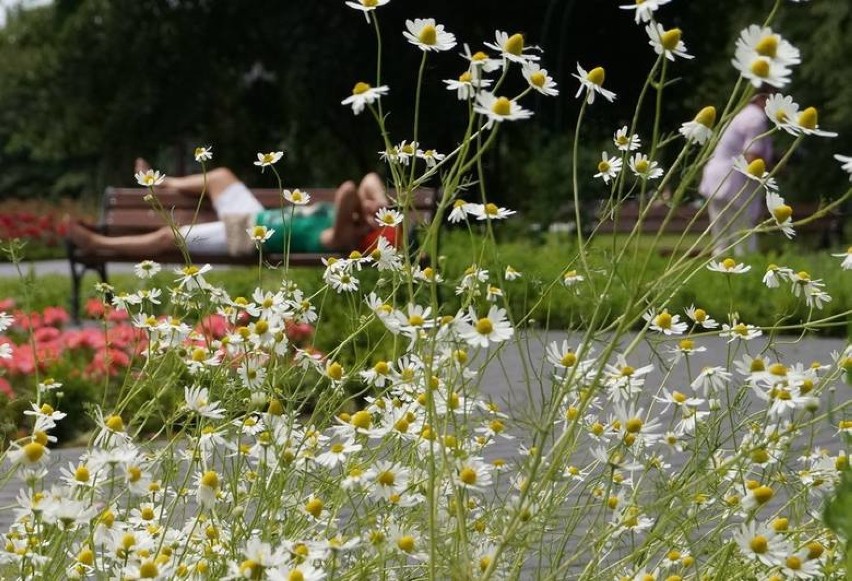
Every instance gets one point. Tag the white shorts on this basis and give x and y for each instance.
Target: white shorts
(211, 237)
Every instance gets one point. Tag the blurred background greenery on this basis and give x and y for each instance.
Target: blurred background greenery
(88, 85)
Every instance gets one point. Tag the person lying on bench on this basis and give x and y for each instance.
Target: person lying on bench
(347, 224)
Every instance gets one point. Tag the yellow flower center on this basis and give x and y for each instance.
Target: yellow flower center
(596, 76)
(362, 419)
(808, 118)
(465, 77)
(760, 68)
(568, 359)
(479, 56)
(335, 371)
(252, 568)
(768, 46)
(706, 117)
(337, 448)
(81, 474)
(781, 116)
(756, 168)
(382, 368)
(369, 3)
(114, 423)
(491, 209)
(386, 478)
(148, 570)
(762, 494)
(670, 39)
(428, 35)
(778, 369)
(678, 397)
(782, 213)
(484, 326)
(603, 166)
(760, 456)
(793, 562)
(740, 329)
(314, 507)
(514, 44)
(815, 550)
(33, 452)
(86, 557)
(663, 320)
(405, 543)
(780, 524)
(642, 165)
(538, 79)
(502, 106)
(210, 479)
(633, 425)
(627, 371)
(686, 344)
(759, 544)
(46, 409)
(295, 574)
(729, 263)
(360, 88)
(468, 476)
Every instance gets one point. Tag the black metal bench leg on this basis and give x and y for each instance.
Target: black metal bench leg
(77, 272)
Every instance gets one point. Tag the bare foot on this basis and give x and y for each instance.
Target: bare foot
(141, 165)
(81, 236)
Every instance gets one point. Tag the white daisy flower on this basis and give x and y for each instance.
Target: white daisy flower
(389, 217)
(775, 275)
(700, 129)
(755, 170)
(362, 95)
(539, 80)
(203, 153)
(643, 168)
(512, 47)
(760, 70)
(146, 269)
(737, 330)
(297, 197)
(667, 42)
(608, 167)
(260, 234)
(806, 122)
(644, 8)
(499, 109)
(782, 213)
(626, 142)
(847, 259)
(481, 62)
(459, 212)
(366, 6)
(665, 323)
(426, 35)
(149, 178)
(711, 380)
(197, 399)
(592, 82)
(763, 42)
(728, 266)
(782, 112)
(701, 318)
(430, 156)
(489, 211)
(511, 274)
(467, 85)
(267, 159)
(492, 328)
(761, 543)
(846, 164)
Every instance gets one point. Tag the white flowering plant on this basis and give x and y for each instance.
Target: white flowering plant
(681, 451)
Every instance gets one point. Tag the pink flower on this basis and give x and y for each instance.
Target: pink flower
(6, 388)
(55, 316)
(46, 334)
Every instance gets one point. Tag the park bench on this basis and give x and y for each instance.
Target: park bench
(125, 211)
(827, 229)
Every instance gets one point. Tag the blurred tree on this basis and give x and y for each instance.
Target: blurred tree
(87, 85)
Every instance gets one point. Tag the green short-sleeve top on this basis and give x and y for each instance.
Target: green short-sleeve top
(301, 224)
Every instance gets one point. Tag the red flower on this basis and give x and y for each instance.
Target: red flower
(6, 388)
(55, 316)
(95, 308)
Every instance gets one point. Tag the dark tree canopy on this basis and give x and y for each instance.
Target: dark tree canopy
(88, 85)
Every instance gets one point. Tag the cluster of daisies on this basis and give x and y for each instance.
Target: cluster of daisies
(252, 489)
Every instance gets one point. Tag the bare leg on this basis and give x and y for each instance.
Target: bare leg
(151, 243)
(214, 182)
(349, 225)
(371, 192)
